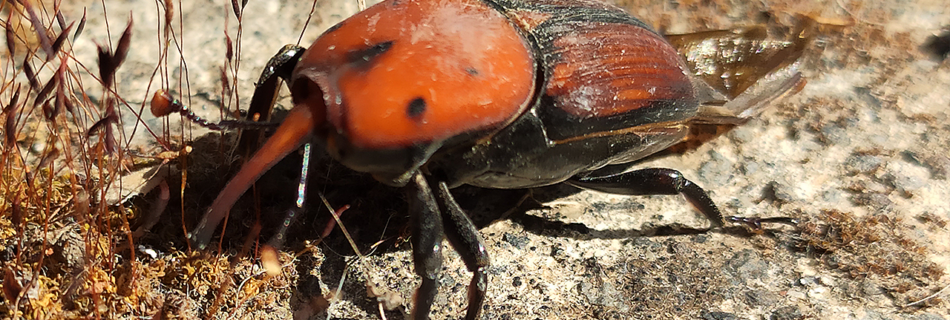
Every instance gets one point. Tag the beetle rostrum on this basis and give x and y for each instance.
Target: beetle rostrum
(428, 95)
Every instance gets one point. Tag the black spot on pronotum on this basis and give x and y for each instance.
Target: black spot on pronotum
(362, 57)
(471, 71)
(416, 107)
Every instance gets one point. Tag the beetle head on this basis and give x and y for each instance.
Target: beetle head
(391, 84)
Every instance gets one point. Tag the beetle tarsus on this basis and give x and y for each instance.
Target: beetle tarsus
(653, 181)
(755, 223)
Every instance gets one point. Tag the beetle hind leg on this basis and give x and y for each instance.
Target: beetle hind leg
(662, 181)
(653, 181)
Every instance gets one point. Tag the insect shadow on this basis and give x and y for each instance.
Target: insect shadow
(377, 219)
(377, 216)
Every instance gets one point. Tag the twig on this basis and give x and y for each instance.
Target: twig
(927, 297)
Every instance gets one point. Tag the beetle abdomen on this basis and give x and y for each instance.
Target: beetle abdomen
(600, 70)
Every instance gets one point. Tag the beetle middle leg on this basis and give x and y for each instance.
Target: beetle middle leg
(467, 241)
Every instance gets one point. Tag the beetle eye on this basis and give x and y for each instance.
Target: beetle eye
(308, 94)
(302, 90)
(416, 107)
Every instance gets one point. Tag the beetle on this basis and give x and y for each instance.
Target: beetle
(429, 95)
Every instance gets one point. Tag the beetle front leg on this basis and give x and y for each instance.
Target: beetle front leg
(427, 237)
(654, 181)
(280, 67)
(468, 242)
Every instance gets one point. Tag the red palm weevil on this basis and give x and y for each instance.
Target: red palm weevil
(428, 95)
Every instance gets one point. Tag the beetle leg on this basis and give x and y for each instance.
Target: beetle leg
(468, 242)
(755, 223)
(279, 67)
(427, 237)
(654, 181)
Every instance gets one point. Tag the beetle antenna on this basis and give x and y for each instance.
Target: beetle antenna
(164, 104)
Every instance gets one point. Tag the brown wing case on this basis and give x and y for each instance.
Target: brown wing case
(607, 69)
(603, 69)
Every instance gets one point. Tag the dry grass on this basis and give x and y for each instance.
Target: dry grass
(72, 247)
